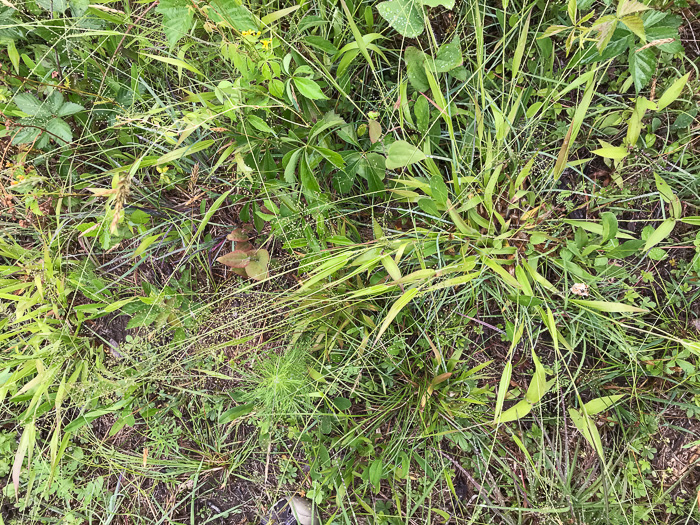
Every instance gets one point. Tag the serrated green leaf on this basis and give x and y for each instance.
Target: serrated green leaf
(627, 7)
(177, 19)
(635, 24)
(59, 129)
(642, 67)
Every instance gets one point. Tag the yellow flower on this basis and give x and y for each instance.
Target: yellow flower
(162, 169)
(266, 43)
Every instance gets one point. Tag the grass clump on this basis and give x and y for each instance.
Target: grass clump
(279, 384)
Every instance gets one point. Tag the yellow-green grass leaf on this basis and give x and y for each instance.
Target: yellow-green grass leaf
(663, 231)
(612, 307)
(399, 305)
(673, 92)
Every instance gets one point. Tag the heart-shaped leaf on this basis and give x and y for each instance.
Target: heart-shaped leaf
(257, 267)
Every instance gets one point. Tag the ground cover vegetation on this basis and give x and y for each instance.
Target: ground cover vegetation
(419, 261)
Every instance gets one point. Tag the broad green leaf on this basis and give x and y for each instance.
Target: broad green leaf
(375, 131)
(309, 88)
(400, 303)
(290, 168)
(605, 306)
(258, 123)
(415, 58)
(538, 384)
(405, 16)
(448, 57)
(663, 187)
(663, 231)
(642, 67)
(601, 404)
(402, 154)
(519, 410)
(673, 92)
(391, 267)
(234, 413)
(306, 177)
(30, 105)
(609, 222)
(439, 190)
(615, 152)
(625, 249)
(231, 12)
(605, 26)
(594, 227)
(13, 54)
(375, 474)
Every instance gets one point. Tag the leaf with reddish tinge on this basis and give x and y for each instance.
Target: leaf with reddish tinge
(235, 259)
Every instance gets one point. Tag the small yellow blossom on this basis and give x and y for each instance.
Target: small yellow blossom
(266, 43)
